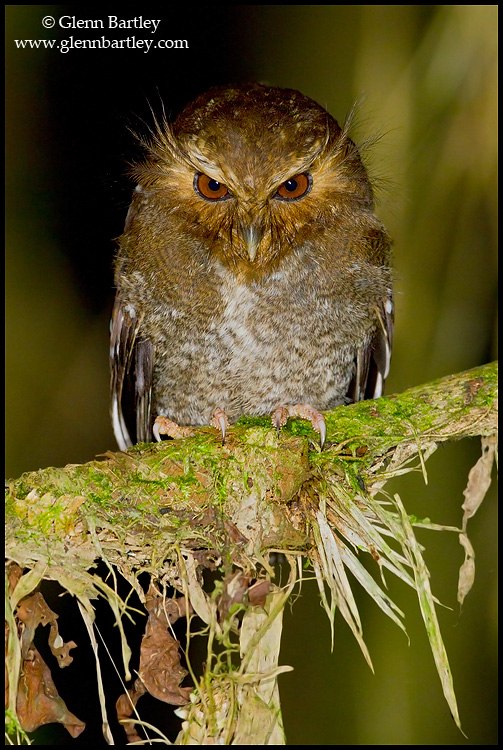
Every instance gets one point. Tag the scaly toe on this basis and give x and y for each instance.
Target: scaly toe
(304, 411)
(165, 426)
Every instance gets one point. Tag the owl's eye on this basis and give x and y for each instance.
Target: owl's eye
(296, 187)
(210, 189)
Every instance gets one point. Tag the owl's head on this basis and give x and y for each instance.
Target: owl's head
(253, 171)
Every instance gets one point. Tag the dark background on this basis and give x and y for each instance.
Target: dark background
(424, 78)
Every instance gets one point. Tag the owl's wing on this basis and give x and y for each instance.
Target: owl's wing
(131, 364)
(372, 361)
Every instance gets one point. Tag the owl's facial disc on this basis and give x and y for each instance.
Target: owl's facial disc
(250, 218)
(245, 220)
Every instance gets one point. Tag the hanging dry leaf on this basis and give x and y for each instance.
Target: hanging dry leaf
(34, 611)
(467, 570)
(38, 701)
(160, 672)
(479, 480)
(125, 707)
(257, 594)
(14, 573)
(160, 669)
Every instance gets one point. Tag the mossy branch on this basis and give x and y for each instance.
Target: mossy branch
(172, 508)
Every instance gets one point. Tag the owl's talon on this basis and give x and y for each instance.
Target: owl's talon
(220, 422)
(165, 426)
(156, 431)
(323, 433)
(304, 411)
(279, 418)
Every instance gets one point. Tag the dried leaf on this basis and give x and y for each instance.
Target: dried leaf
(38, 701)
(197, 597)
(467, 570)
(14, 573)
(259, 718)
(335, 576)
(87, 613)
(125, 707)
(27, 583)
(479, 480)
(257, 594)
(34, 611)
(428, 612)
(160, 669)
(234, 588)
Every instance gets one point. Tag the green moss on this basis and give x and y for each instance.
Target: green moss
(247, 422)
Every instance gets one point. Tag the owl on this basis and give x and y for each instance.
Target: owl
(252, 277)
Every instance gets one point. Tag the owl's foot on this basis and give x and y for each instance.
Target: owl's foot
(220, 421)
(304, 411)
(165, 426)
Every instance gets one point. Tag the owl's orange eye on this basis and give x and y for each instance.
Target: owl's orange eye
(296, 187)
(210, 189)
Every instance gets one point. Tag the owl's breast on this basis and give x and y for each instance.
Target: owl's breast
(264, 345)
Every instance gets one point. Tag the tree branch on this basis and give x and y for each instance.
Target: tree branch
(173, 508)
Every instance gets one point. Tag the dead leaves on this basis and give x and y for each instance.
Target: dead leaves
(160, 672)
(38, 701)
(479, 480)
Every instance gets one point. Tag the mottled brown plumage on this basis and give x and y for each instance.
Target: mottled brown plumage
(252, 273)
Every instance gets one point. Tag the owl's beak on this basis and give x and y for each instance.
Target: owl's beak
(252, 236)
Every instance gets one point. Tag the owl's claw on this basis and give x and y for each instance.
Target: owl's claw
(304, 411)
(220, 421)
(165, 426)
(322, 429)
(279, 418)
